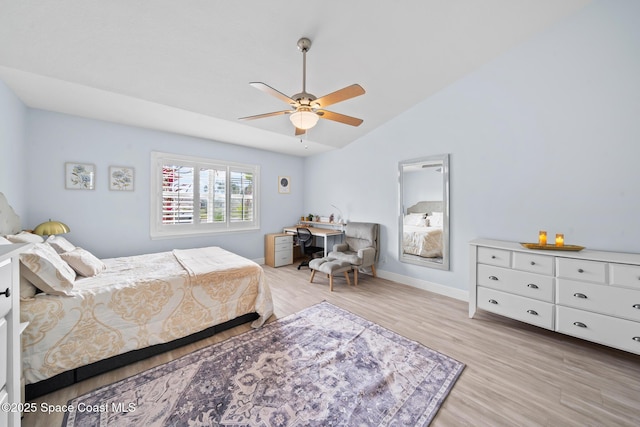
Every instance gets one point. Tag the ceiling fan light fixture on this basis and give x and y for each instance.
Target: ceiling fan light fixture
(304, 119)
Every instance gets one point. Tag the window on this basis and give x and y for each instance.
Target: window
(192, 195)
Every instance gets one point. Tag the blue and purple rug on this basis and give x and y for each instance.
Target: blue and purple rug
(322, 366)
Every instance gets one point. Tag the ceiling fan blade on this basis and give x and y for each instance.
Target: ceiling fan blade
(300, 131)
(337, 117)
(340, 95)
(273, 92)
(262, 116)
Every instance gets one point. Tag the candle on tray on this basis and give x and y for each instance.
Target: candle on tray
(542, 238)
(559, 239)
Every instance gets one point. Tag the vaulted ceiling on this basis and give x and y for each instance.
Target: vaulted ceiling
(185, 66)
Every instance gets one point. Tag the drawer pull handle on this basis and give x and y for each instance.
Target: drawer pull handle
(580, 270)
(492, 301)
(532, 286)
(580, 324)
(533, 263)
(6, 293)
(636, 306)
(636, 339)
(493, 278)
(535, 313)
(579, 295)
(493, 257)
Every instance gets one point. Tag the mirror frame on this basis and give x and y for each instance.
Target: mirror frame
(443, 160)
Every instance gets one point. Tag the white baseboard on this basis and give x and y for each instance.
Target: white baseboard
(448, 291)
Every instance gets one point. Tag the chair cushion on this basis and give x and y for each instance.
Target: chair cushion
(360, 235)
(348, 256)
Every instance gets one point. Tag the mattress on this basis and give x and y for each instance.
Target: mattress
(137, 302)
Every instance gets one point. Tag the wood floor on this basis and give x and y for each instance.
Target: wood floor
(515, 375)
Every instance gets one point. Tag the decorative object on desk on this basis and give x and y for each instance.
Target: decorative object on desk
(542, 238)
(559, 239)
(320, 366)
(340, 216)
(284, 184)
(310, 217)
(79, 176)
(574, 248)
(51, 228)
(121, 178)
(331, 218)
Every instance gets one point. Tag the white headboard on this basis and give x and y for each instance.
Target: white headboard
(9, 221)
(426, 206)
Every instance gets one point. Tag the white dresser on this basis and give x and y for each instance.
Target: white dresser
(592, 295)
(10, 366)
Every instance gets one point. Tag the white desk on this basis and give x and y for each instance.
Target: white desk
(325, 233)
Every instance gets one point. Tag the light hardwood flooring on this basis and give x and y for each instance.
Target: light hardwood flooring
(515, 375)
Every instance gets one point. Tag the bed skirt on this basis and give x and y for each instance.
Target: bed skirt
(81, 373)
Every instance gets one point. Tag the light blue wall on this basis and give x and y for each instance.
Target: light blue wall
(111, 223)
(12, 158)
(545, 137)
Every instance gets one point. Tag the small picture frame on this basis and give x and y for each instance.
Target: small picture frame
(121, 178)
(79, 176)
(284, 184)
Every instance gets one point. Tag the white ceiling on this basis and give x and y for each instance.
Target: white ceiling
(184, 66)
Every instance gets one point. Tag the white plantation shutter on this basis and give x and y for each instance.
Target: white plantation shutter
(193, 195)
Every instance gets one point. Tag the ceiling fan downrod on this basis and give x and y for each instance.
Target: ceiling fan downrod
(304, 44)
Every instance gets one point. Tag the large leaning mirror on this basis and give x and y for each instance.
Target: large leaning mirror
(424, 211)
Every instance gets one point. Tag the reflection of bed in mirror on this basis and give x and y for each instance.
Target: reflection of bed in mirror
(422, 230)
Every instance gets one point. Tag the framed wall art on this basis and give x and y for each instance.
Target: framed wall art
(79, 176)
(284, 184)
(121, 178)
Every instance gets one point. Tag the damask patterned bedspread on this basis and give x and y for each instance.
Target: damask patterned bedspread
(137, 302)
(423, 241)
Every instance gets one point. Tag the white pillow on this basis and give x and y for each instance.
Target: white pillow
(417, 219)
(60, 244)
(84, 262)
(25, 237)
(436, 219)
(4, 241)
(46, 270)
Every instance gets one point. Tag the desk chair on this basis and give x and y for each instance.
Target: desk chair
(305, 239)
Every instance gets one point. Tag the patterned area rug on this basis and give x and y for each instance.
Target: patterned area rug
(322, 366)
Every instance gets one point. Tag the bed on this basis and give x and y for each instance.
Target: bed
(422, 230)
(134, 307)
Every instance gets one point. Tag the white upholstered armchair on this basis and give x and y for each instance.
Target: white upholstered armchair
(360, 247)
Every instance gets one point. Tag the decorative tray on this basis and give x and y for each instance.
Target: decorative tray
(574, 248)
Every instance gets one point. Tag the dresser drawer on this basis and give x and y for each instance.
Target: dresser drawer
(283, 240)
(611, 300)
(534, 263)
(5, 282)
(527, 310)
(283, 247)
(618, 333)
(578, 269)
(625, 275)
(283, 258)
(491, 256)
(516, 282)
(4, 361)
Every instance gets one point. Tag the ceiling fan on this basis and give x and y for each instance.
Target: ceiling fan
(306, 109)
